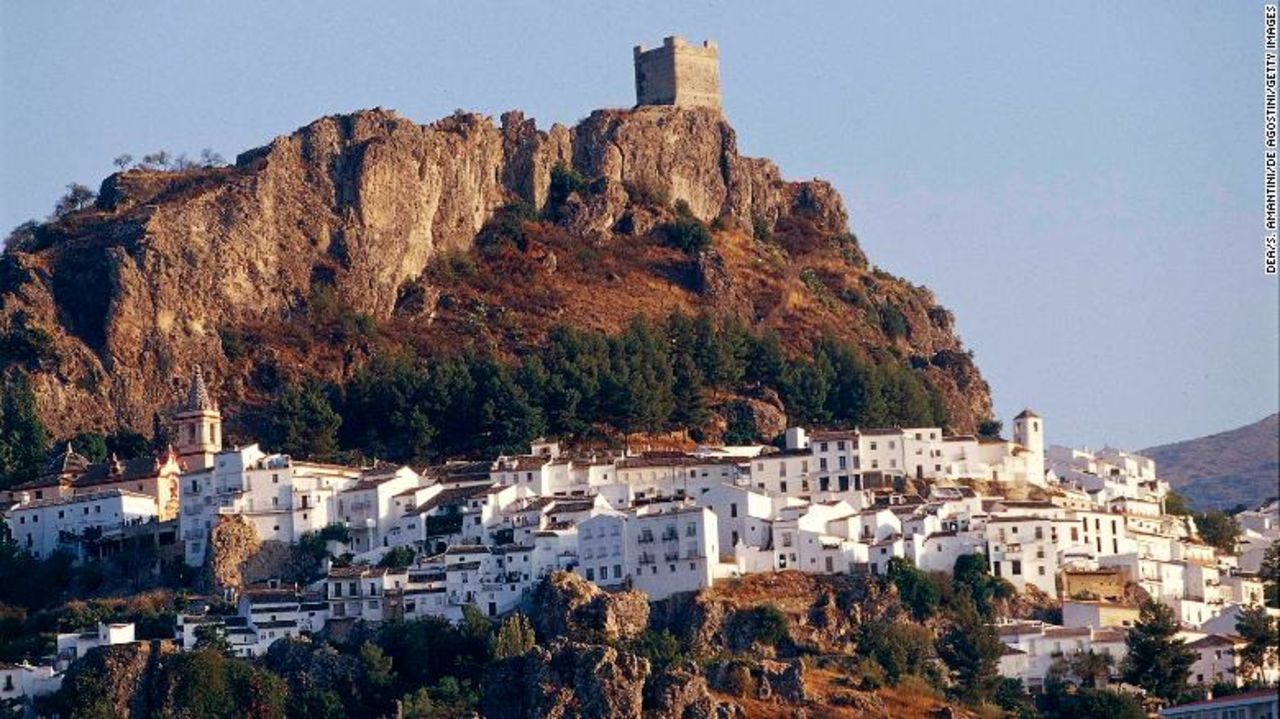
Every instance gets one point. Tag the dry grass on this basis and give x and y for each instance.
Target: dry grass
(830, 698)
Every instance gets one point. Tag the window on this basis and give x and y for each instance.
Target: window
(591, 574)
(1016, 569)
(873, 446)
(1039, 532)
(691, 529)
(733, 509)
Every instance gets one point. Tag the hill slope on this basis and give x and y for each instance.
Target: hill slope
(370, 221)
(1240, 466)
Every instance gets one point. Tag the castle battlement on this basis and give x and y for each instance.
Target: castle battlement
(678, 73)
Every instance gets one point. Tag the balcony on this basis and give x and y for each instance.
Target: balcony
(646, 558)
(645, 539)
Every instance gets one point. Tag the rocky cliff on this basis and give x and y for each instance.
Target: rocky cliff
(110, 305)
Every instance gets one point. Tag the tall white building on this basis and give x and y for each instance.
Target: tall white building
(282, 498)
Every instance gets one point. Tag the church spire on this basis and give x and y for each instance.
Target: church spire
(198, 426)
(198, 398)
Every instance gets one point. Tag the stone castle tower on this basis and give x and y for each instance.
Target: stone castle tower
(678, 74)
(198, 426)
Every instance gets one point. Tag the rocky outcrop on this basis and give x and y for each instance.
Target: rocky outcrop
(566, 605)
(119, 680)
(567, 681)
(113, 304)
(232, 542)
(682, 693)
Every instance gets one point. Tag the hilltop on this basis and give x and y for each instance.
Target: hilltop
(366, 233)
(1220, 471)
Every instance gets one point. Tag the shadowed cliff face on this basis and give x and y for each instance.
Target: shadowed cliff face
(122, 298)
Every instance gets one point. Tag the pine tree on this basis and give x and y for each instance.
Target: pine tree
(765, 359)
(1262, 635)
(1157, 661)
(24, 442)
(971, 649)
(515, 637)
(305, 423)
(691, 406)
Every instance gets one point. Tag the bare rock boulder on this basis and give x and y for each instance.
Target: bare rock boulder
(566, 605)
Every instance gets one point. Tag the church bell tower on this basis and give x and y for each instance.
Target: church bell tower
(198, 427)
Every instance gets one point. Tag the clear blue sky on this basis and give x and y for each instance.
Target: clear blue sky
(1080, 182)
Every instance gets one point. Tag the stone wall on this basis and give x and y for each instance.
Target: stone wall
(678, 74)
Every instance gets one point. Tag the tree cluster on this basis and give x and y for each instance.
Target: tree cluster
(651, 377)
(429, 669)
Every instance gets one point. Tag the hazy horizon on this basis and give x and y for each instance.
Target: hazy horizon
(1081, 185)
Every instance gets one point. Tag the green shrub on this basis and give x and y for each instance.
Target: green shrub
(662, 649)
(770, 625)
(688, 234)
(234, 345)
(760, 229)
(740, 422)
(893, 322)
(565, 181)
(398, 558)
(868, 675)
(647, 193)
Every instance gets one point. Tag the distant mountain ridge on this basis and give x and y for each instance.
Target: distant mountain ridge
(1239, 466)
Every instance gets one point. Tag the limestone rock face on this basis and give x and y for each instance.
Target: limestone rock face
(232, 542)
(118, 680)
(682, 693)
(126, 296)
(567, 681)
(566, 605)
